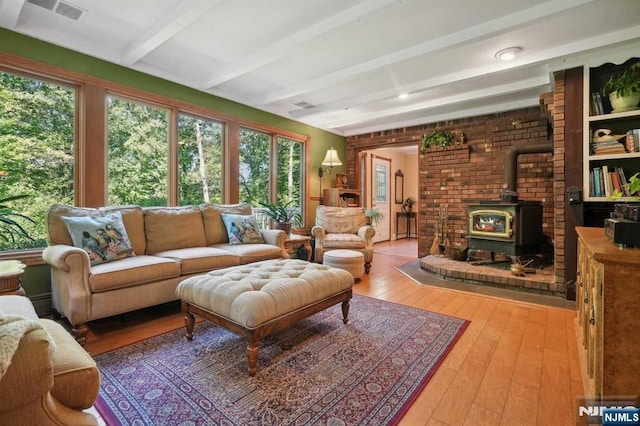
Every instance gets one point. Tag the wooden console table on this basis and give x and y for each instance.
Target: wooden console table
(412, 218)
(608, 319)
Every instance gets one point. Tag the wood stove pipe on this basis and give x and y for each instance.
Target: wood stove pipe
(511, 159)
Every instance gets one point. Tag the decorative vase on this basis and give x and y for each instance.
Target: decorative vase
(624, 103)
(285, 226)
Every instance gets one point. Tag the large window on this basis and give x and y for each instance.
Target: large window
(254, 166)
(199, 160)
(264, 157)
(37, 141)
(290, 155)
(138, 156)
(69, 138)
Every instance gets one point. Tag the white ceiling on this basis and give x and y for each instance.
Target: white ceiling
(347, 61)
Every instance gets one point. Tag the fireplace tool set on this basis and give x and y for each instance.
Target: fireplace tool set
(441, 239)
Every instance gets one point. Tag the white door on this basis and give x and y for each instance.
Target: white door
(380, 175)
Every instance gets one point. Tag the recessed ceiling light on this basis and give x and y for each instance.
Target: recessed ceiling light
(508, 54)
(403, 96)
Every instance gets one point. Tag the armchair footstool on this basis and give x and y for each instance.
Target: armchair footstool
(258, 299)
(349, 260)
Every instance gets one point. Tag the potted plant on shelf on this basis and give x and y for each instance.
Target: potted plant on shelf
(437, 138)
(283, 215)
(373, 216)
(408, 204)
(624, 89)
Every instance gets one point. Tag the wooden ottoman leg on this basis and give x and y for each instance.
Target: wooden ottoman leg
(189, 321)
(252, 354)
(345, 311)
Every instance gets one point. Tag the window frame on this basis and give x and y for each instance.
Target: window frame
(90, 182)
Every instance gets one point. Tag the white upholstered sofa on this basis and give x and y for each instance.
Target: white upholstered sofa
(169, 243)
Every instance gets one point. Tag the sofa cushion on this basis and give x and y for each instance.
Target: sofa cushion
(242, 229)
(344, 220)
(132, 271)
(248, 253)
(170, 228)
(343, 241)
(131, 216)
(215, 230)
(104, 238)
(201, 259)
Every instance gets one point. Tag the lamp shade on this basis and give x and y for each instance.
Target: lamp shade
(331, 159)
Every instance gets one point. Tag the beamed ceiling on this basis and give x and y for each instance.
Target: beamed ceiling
(341, 65)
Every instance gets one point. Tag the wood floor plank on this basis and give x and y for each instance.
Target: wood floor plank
(480, 416)
(457, 400)
(555, 404)
(521, 407)
(424, 406)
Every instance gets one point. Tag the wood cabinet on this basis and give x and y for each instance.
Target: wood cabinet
(608, 315)
(341, 197)
(603, 124)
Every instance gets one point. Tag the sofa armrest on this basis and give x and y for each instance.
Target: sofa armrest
(25, 388)
(318, 232)
(30, 374)
(275, 237)
(58, 256)
(70, 270)
(367, 233)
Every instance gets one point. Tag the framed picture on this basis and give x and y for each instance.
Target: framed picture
(399, 187)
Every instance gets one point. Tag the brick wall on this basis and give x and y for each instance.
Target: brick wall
(468, 173)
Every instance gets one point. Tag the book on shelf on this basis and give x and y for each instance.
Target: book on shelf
(605, 180)
(596, 182)
(632, 140)
(594, 105)
(607, 147)
(615, 182)
(624, 185)
(597, 106)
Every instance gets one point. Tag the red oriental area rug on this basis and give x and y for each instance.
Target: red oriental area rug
(318, 371)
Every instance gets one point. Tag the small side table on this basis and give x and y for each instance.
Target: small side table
(10, 272)
(295, 241)
(412, 218)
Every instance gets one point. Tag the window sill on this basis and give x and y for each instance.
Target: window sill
(28, 257)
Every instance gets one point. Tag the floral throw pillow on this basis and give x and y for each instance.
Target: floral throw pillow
(104, 238)
(242, 229)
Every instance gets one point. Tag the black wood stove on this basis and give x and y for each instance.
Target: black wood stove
(512, 228)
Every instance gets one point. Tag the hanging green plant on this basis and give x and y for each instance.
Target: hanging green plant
(437, 138)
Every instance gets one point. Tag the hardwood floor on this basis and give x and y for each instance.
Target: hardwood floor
(516, 363)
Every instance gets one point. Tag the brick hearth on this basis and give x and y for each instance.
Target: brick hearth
(538, 282)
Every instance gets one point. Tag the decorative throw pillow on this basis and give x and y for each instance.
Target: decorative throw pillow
(104, 238)
(242, 229)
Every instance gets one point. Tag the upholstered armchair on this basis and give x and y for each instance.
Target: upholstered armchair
(48, 378)
(342, 228)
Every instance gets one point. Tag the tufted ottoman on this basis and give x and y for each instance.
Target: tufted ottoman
(349, 260)
(257, 299)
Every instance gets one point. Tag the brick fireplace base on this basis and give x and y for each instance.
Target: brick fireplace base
(540, 282)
